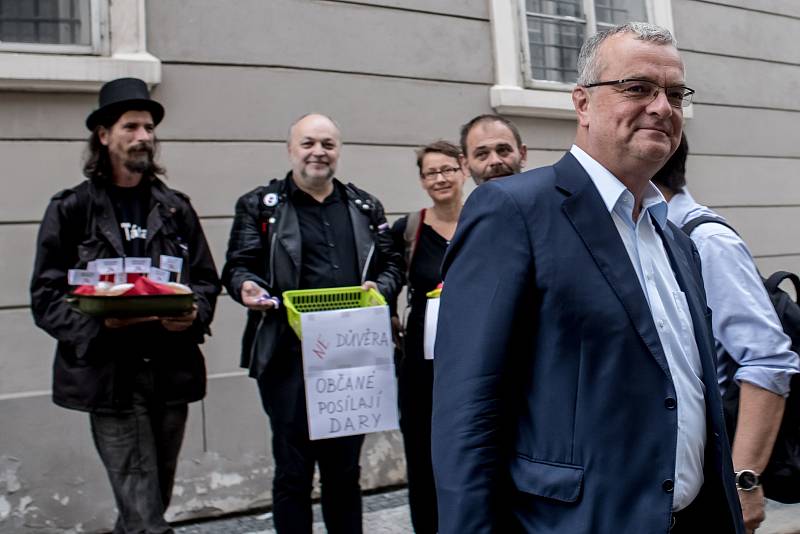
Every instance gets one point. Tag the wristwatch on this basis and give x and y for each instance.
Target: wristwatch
(747, 480)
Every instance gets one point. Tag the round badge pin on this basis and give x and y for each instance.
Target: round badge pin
(270, 199)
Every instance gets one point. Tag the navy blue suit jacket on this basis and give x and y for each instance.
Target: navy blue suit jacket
(553, 401)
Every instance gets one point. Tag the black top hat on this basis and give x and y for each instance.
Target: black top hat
(121, 95)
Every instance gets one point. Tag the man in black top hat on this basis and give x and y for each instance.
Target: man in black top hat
(135, 376)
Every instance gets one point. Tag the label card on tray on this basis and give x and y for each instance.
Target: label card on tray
(171, 263)
(158, 275)
(109, 265)
(80, 277)
(138, 265)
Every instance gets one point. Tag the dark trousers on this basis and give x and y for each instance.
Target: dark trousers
(415, 395)
(697, 518)
(282, 394)
(140, 453)
(295, 456)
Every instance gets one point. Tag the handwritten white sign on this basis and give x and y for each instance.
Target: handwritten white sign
(349, 372)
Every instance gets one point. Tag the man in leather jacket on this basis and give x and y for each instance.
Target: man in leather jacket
(134, 376)
(306, 231)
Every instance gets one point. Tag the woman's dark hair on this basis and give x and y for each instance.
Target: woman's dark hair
(673, 174)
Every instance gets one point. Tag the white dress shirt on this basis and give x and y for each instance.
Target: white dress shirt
(670, 313)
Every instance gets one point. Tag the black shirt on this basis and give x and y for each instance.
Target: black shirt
(425, 274)
(131, 207)
(328, 247)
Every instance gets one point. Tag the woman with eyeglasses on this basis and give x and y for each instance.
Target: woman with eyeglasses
(424, 236)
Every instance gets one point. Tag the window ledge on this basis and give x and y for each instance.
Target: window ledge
(60, 72)
(516, 101)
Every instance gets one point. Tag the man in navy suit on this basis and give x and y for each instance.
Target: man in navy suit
(575, 389)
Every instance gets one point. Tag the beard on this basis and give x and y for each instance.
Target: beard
(317, 178)
(141, 159)
(497, 171)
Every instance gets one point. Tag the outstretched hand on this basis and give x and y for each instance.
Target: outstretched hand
(256, 297)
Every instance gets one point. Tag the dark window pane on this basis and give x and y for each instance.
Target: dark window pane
(615, 12)
(45, 21)
(554, 47)
(560, 8)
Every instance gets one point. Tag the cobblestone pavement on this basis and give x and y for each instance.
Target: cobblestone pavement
(387, 513)
(384, 513)
(781, 519)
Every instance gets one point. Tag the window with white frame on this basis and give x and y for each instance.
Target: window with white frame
(64, 26)
(536, 45)
(556, 30)
(73, 45)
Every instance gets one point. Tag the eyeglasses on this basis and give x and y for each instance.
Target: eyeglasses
(646, 91)
(446, 172)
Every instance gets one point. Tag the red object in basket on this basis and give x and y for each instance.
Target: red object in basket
(145, 286)
(84, 290)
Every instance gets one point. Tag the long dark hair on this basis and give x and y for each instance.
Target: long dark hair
(97, 162)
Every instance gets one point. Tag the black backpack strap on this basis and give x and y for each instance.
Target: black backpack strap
(689, 227)
(776, 278)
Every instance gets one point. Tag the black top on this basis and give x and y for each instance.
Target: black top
(425, 274)
(131, 207)
(328, 246)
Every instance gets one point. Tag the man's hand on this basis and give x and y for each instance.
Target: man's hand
(113, 322)
(255, 297)
(369, 284)
(752, 508)
(181, 322)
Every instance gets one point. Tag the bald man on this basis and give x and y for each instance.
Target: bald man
(305, 231)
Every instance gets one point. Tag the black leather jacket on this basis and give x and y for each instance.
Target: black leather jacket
(265, 246)
(93, 366)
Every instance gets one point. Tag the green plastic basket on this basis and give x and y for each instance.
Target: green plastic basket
(334, 298)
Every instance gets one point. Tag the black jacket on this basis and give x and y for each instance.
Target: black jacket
(265, 246)
(93, 364)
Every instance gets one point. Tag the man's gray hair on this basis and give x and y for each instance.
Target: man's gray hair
(589, 67)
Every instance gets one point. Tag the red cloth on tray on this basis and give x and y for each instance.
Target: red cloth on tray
(145, 286)
(84, 290)
(142, 286)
